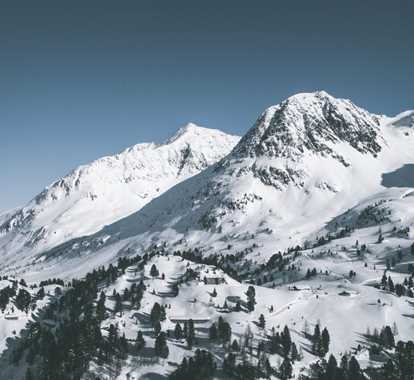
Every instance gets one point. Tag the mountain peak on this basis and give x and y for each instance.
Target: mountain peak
(311, 122)
(191, 132)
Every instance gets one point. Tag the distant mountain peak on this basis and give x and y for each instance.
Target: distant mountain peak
(191, 132)
(113, 187)
(311, 122)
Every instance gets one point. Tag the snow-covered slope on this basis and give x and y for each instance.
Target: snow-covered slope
(304, 162)
(108, 189)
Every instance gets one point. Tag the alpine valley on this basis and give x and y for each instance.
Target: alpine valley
(287, 253)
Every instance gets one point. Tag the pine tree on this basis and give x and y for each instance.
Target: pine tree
(325, 341)
(387, 337)
(331, 368)
(178, 331)
(224, 330)
(235, 346)
(23, 300)
(262, 321)
(354, 370)
(139, 342)
(191, 334)
(100, 307)
(157, 328)
(285, 370)
(161, 347)
(286, 341)
(251, 298)
(118, 304)
(316, 339)
(213, 335)
(156, 313)
(154, 271)
(294, 355)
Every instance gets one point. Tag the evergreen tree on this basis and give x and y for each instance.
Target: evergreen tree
(286, 341)
(178, 331)
(235, 346)
(154, 271)
(251, 298)
(140, 341)
(229, 364)
(354, 370)
(157, 327)
(285, 370)
(294, 354)
(156, 313)
(118, 304)
(262, 321)
(387, 337)
(23, 300)
(161, 347)
(191, 334)
(224, 330)
(331, 368)
(100, 307)
(325, 341)
(213, 335)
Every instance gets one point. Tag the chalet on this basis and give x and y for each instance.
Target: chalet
(214, 280)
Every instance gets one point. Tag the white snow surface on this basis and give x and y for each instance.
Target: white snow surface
(108, 189)
(304, 162)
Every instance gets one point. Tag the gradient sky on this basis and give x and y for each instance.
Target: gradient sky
(82, 79)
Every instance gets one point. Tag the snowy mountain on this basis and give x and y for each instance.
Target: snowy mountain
(294, 248)
(304, 162)
(110, 188)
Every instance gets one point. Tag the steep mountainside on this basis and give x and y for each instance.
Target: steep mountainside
(304, 162)
(110, 188)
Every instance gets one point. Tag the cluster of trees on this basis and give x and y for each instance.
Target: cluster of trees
(348, 369)
(188, 332)
(133, 296)
(52, 281)
(23, 300)
(243, 370)
(5, 294)
(320, 341)
(385, 338)
(228, 263)
(403, 289)
(157, 315)
(311, 273)
(202, 367)
(63, 347)
(220, 331)
(399, 366)
(352, 274)
(282, 344)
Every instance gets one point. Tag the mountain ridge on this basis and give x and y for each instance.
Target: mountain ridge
(112, 187)
(284, 200)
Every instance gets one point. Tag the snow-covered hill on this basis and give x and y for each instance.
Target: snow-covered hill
(110, 188)
(304, 162)
(312, 211)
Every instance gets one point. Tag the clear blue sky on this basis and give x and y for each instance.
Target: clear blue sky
(82, 79)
